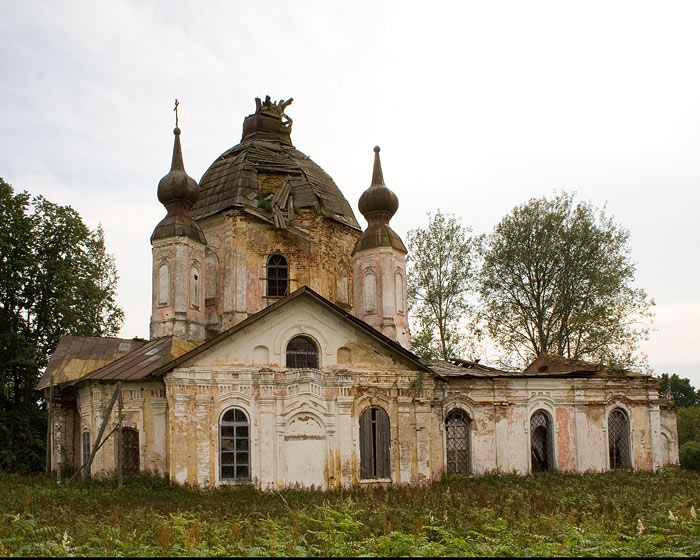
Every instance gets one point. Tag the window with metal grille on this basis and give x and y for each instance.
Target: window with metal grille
(375, 460)
(234, 441)
(277, 275)
(130, 450)
(541, 441)
(302, 353)
(619, 440)
(457, 427)
(86, 446)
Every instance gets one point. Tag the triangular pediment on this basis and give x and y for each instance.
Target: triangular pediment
(344, 342)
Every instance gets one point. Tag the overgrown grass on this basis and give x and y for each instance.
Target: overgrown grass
(615, 514)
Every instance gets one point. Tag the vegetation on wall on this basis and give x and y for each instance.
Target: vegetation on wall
(56, 278)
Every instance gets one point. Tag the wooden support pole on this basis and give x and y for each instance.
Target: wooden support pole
(105, 420)
(49, 440)
(58, 453)
(120, 440)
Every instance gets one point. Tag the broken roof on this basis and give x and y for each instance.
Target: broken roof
(232, 180)
(141, 362)
(76, 356)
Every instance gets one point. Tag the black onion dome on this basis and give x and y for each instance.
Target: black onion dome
(178, 192)
(266, 147)
(378, 204)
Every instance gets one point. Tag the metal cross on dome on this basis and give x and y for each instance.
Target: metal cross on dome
(175, 109)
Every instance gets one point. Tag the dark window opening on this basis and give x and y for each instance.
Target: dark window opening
(277, 276)
(130, 451)
(86, 446)
(302, 353)
(375, 461)
(619, 440)
(234, 440)
(457, 427)
(541, 442)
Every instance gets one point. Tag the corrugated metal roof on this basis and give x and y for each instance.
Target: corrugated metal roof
(76, 356)
(143, 361)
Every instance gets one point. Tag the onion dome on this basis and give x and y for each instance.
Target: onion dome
(236, 179)
(178, 192)
(378, 204)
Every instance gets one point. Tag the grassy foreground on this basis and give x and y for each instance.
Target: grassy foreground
(616, 514)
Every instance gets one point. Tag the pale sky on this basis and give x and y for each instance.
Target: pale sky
(477, 106)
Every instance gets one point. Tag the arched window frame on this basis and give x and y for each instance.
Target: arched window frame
(626, 461)
(276, 275)
(549, 439)
(239, 437)
(457, 441)
(375, 444)
(299, 359)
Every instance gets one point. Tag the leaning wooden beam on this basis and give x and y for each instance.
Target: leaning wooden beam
(49, 441)
(120, 443)
(97, 445)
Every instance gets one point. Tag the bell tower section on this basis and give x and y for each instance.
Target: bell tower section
(379, 263)
(178, 258)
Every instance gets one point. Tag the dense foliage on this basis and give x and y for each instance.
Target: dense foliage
(56, 278)
(679, 389)
(441, 272)
(557, 279)
(614, 514)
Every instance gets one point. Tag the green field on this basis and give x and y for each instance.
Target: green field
(616, 514)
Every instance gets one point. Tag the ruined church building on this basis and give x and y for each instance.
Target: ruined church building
(279, 352)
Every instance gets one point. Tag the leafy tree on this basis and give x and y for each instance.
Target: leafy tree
(441, 271)
(688, 421)
(680, 390)
(557, 278)
(56, 278)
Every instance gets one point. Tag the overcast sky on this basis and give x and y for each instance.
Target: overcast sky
(477, 106)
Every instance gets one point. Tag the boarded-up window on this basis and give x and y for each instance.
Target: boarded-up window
(86, 446)
(375, 460)
(369, 292)
(541, 441)
(234, 441)
(163, 284)
(302, 353)
(619, 440)
(130, 450)
(457, 427)
(277, 276)
(398, 291)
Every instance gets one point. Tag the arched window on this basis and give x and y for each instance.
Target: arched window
(457, 428)
(234, 442)
(86, 446)
(541, 441)
(619, 440)
(130, 450)
(277, 275)
(375, 460)
(302, 353)
(369, 292)
(194, 287)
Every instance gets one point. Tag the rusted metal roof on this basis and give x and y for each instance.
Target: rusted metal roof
(232, 180)
(548, 364)
(76, 356)
(142, 362)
